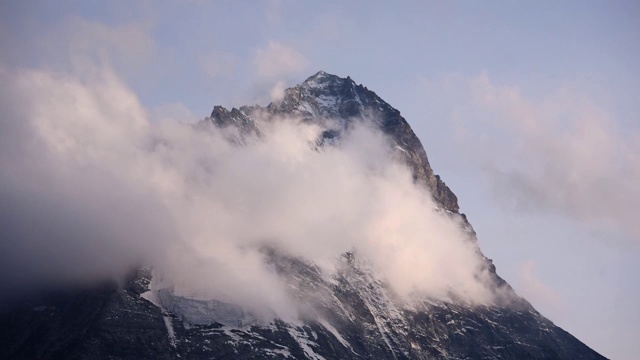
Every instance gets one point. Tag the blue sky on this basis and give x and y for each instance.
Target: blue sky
(528, 111)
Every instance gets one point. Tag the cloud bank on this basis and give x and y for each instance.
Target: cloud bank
(557, 153)
(572, 156)
(534, 288)
(277, 59)
(93, 186)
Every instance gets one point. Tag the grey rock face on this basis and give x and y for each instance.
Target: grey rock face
(351, 314)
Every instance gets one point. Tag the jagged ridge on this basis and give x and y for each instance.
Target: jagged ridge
(324, 97)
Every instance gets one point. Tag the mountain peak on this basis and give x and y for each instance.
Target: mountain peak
(323, 79)
(320, 75)
(338, 103)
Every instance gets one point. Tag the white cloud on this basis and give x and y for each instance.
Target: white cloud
(534, 289)
(174, 112)
(217, 65)
(77, 43)
(277, 92)
(559, 153)
(94, 186)
(128, 46)
(277, 60)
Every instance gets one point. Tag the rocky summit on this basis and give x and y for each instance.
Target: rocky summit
(352, 313)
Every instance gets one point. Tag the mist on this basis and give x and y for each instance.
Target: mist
(92, 185)
(569, 156)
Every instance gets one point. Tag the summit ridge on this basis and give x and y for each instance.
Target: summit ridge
(324, 96)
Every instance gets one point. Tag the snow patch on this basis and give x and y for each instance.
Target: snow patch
(285, 353)
(228, 331)
(301, 338)
(152, 297)
(401, 149)
(170, 331)
(336, 334)
(205, 312)
(327, 101)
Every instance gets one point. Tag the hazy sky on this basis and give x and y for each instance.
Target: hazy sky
(528, 111)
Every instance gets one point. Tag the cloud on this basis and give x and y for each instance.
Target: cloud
(131, 41)
(82, 42)
(278, 60)
(534, 289)
(217, 65)
(94, 186)
(64, 219)
(74, 43)
(277, 92)
(274, 65)
(174, 112)
(559, 153)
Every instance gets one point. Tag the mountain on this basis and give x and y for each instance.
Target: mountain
(352, 313)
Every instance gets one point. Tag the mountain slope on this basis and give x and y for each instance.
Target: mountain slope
(350, 314)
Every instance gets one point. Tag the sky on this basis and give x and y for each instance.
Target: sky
(527, 110)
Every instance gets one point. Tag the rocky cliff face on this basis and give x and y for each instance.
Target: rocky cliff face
(351, 314)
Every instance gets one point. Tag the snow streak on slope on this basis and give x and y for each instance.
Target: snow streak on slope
(335, 333)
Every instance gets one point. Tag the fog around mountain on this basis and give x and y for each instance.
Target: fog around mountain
(96, 186)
